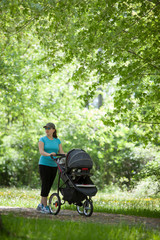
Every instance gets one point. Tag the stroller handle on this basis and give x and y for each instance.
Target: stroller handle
(58, 155)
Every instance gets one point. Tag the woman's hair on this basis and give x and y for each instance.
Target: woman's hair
(55, 134)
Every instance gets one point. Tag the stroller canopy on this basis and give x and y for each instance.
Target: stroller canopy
(78, 158)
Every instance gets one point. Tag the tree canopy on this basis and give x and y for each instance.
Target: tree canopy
(110, 39)
(58, 58)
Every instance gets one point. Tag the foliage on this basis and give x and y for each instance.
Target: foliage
(19, 163)
(147, 187)
(55, 58)
(121, 41)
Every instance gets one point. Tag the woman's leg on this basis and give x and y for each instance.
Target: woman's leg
(47, 175)
(44, 201)
(53, 172)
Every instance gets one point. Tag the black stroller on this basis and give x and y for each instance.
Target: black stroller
(77, 187)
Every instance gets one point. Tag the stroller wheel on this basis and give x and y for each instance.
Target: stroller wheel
(88, 208)
(55, 203)
(80, 209)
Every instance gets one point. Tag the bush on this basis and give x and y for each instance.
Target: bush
(147, 187)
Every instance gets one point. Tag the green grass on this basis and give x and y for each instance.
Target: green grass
(119, 202)
(24, 228)
(125, 203)
(19, 197)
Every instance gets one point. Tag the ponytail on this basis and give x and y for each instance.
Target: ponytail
(55, 134)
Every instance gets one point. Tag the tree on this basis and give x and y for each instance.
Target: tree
(125, 31)
(49, 47)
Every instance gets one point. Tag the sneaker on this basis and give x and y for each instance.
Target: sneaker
(45, 210)
(40, 206)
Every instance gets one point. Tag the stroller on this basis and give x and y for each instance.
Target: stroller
(77, 187)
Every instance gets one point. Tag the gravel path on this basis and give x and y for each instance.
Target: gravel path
(68, 215)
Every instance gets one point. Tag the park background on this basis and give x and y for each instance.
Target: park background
(92, 68)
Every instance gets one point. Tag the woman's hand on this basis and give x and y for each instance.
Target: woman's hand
(53, 154)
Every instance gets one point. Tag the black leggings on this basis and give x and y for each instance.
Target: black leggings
(47, 175)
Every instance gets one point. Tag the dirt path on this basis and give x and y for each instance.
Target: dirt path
(69, 215)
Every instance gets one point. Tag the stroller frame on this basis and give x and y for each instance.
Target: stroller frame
(72, 192)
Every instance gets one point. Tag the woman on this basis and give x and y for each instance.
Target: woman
(48, 145)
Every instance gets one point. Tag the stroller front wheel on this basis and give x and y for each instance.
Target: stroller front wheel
(55, 203)
(88, 208)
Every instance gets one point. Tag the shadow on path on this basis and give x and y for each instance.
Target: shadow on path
(97, 217)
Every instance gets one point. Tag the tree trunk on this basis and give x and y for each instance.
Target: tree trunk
(100, 101)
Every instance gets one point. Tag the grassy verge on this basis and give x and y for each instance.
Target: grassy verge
(125, 203)
(24, 228)
(122, 203)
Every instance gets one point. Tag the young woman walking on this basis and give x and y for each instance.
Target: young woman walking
(48, 145)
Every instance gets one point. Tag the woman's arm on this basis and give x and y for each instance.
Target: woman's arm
(42, 152)
(61, 149)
